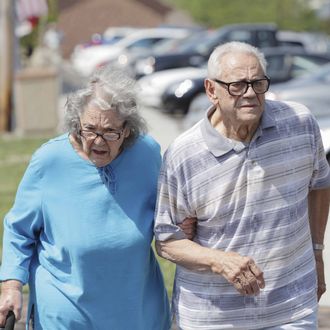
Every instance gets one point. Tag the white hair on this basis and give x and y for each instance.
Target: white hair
(214, 63)
(108, 89)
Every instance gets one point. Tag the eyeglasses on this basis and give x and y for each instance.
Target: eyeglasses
(238, 88)
(107, 136)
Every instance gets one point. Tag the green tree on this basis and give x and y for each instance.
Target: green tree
(287, 14)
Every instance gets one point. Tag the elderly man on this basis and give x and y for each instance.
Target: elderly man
(254, 174)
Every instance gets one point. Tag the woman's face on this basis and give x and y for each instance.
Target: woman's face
(97, 148)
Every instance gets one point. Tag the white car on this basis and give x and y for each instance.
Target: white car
(116, 33)
(86, 60)
(153, 86)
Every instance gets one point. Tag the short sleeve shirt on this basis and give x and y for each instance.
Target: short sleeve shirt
(250, 198)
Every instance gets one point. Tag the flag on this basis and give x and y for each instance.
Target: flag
(30, 9)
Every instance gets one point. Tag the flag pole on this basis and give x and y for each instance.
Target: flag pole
(6, 62)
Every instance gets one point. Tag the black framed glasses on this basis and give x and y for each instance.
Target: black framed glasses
(238, 88)
(106, 136)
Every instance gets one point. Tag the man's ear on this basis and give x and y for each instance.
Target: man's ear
(210, 91)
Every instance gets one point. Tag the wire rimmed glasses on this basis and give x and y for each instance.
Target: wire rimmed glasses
(106, 136)
(239, 88)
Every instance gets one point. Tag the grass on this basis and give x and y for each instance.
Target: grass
(15, 154)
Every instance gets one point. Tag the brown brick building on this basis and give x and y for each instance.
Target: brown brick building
(79, 19)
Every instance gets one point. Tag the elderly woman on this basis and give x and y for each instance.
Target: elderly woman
(82, 222)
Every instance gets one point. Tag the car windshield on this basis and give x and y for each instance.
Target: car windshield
(167, 45)
(199, 43)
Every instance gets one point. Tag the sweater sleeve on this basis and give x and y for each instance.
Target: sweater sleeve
(22, 226)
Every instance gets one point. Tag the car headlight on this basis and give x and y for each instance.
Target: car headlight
(122, 60)
(145, 66)
(183, 88)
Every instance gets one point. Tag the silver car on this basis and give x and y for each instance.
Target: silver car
(312, 90)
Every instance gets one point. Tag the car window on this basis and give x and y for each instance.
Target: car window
(278, 68)
(275, 62)
(305, 64)
(166, 45)
(266, 39)
(244, 36)
(144, 43)
(287, 43)
(200, 43)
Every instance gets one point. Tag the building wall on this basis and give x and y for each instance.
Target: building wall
(80, 19)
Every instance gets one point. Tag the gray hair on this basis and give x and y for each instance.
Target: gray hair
(108, 89)
(214, 62)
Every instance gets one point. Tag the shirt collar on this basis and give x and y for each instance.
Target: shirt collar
(219, 144)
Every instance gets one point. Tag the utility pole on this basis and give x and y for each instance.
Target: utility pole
(6, 62)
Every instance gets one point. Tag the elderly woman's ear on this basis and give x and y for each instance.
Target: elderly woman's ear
(127, 132)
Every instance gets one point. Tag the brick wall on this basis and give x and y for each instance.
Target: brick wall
(79, 19)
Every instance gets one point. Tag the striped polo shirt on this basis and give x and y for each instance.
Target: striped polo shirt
(250, 198)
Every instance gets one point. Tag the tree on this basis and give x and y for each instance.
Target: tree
(289, 14)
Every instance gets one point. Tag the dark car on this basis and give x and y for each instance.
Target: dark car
(197, 51)
(284, 64)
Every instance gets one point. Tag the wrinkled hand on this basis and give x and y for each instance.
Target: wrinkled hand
(189, 227)
(11, 299)
(242, 272)
(321, 287)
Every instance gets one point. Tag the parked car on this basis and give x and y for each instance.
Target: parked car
(115, 33)
(153, 86)
(198, 51)
(109, 37)
(127, 60)
(86, 60)
(310, 41)
(311, 90)
(284, 64)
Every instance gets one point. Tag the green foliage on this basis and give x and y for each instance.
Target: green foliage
(52, 11)
(288, 14)
(15, 154)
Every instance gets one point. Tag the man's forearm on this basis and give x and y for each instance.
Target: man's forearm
(318, 208)
(186, 253)
(240, 271)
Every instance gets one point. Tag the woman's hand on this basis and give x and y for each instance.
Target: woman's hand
(11, 299)
(189, 227)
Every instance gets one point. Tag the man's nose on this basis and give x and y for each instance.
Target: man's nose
(250, 90)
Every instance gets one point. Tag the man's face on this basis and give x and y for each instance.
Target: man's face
(243, 109)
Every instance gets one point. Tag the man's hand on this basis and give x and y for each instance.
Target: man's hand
(11, 299)
(189, 227)
(321, 287)
(241, 272)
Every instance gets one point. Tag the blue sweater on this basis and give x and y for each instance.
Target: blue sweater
(80, 235)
